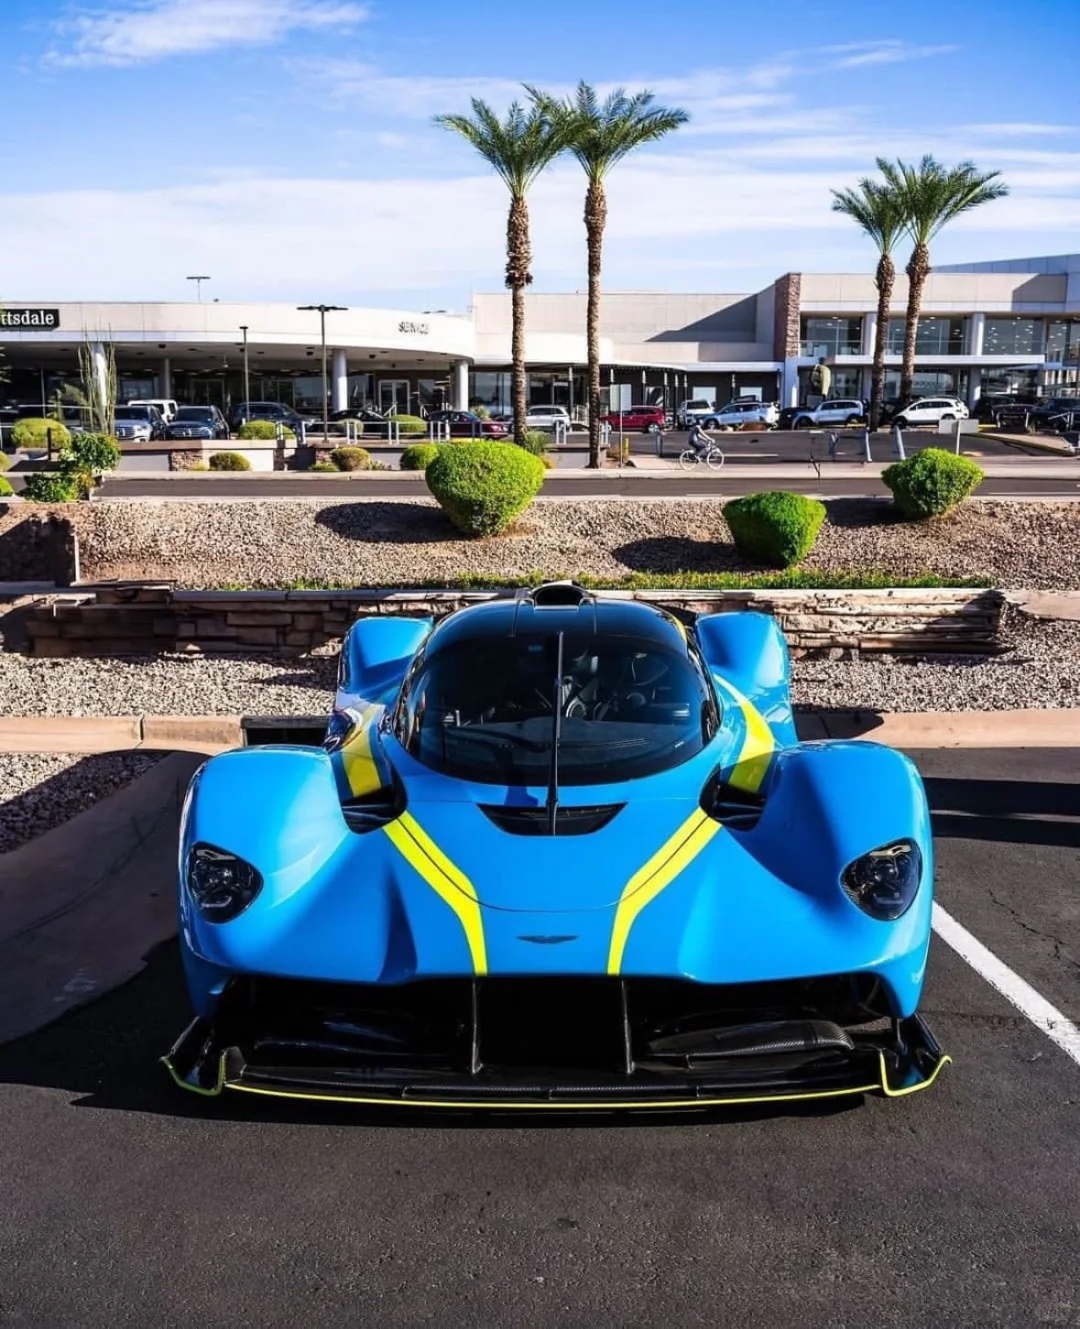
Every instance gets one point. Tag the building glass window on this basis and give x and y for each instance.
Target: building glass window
(1063, 341)
(490, 390)
(830, 336)
(928, 383)
(934, 336)
(1013, 336)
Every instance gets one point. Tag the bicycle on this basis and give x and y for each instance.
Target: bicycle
(711, 456)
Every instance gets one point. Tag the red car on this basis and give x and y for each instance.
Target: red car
(648, 419)
(464, 424)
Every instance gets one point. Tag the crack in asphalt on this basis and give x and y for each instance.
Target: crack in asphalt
(1060, 953)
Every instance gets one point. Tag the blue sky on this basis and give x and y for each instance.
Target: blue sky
(286, 147)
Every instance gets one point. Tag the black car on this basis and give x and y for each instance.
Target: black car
(366, 419)
(1057, 413)
(275, 411)
(204, 422)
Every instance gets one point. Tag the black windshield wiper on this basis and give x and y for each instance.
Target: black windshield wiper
(556, 727)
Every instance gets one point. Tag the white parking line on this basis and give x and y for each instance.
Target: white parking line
(1056, 1026)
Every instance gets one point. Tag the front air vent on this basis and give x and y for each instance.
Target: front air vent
(735, 808)
(559, 595)
(375, 810)
(535, 820)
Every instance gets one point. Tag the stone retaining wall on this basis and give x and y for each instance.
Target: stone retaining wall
(142, 619)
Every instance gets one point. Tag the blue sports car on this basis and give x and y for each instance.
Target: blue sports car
(557, 851)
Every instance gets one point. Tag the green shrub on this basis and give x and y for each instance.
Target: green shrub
(776, 527)
(931, 483)
(92, 455)
(351, 459)
(51, 487)
(33, 432)
(410, 424)
(536, 441)
(324, 467)
(480, 411)
(6, 490)
(262, 430)
(417, 456)
(229, 461)
(5, 462)
(483, 487)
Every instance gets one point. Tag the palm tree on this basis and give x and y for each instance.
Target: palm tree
(518, 148)
(931, 195)
(876, 210)
(599, 134)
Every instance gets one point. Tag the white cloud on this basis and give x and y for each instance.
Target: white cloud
(856, 55)
(145, 30)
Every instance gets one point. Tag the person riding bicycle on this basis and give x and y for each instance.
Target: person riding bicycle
(699, 439)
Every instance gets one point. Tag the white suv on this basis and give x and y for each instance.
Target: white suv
(547, 417)
(736, 414)
(931, 411)
(699, 408)
(838, 411)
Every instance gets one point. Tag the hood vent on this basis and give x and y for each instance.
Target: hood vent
(534, 821)
(736, 808)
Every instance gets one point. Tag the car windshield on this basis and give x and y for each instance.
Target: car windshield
(484, 709)
(133, 413)
(200, 413)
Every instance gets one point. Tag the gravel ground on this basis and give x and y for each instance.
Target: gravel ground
(39, 791)
(374, 542)
(1041, 668)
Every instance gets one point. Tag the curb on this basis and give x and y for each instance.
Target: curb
(215, 733)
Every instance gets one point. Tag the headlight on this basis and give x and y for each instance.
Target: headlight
(221, 884)
(883, 883)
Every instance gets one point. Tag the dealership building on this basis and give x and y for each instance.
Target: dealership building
(1001, 327)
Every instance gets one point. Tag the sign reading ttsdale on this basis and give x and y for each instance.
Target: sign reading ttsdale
(47, 319)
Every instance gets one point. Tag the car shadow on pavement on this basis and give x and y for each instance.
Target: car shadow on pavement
(106, 1055)
(1033, 812)
(388, 522)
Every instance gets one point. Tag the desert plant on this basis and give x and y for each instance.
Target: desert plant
(262, 430)
(96, 393)
(410, 424)
(34, 432)
(619, 452)
(229, 461)
(51, 487)
(931, 483)
(600, 134)
(6, 490)
(930, 196)
(417, 456)
(536, 441)
(518, 148)
(483, 487)
(324, 468)
(93, 455)
(5, 462)
(351, 459)
(878, 211)
(775, 527)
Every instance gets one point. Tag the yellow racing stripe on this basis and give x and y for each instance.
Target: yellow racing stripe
(357, 759)
(645, 885)
(448, 881)
(758, 746)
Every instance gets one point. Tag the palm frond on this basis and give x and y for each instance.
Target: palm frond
(931, 194)
(875, 208)
(600, 133)
(517, 147)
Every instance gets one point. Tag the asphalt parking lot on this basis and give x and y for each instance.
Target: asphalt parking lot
(125, 1203)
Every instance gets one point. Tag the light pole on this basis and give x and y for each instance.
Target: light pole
(323, 311)
(198, 285)
(247, 383)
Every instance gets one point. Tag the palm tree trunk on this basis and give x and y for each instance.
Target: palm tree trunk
(918, 269)
(883, 280)
(518, 276)
(595, 221)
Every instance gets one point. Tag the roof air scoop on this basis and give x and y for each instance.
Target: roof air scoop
(559, 594)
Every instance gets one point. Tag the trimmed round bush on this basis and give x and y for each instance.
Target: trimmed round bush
(51, 487)
(5, 462)
(775, 527)
(931, 483)
(229, 461)
(417, 456)
(262, 430)
(6, 490)
(410, 424)
(351, 459)
(33, 432)
(483, 487)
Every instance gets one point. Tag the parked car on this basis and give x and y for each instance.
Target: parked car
(835, 411)
(466, 424)
(737, 414)
(1056, 413)
(648, 419)
(138, 424)
(547, 417)
(697, 408)
(272, 410)
(931, 411)
(167, 408)
(197, 422)
(364, 417)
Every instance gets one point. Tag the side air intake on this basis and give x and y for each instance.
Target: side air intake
(559, 594)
